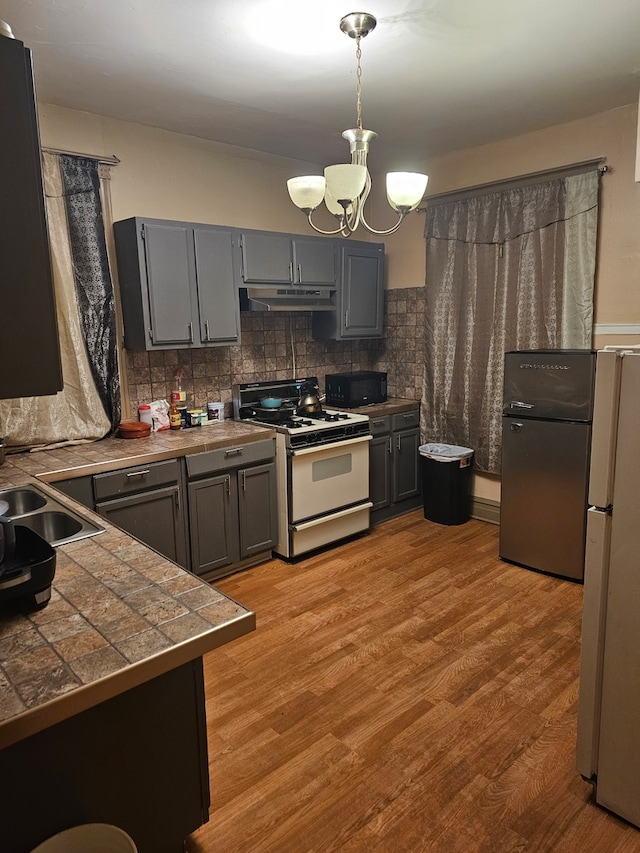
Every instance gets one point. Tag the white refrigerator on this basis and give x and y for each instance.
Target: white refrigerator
(608, 742)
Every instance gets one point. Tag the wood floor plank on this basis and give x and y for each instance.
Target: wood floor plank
(406, 691)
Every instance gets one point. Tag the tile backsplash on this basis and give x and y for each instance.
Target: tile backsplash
(277, 345)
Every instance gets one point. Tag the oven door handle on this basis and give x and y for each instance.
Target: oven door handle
(305, 525)
(349, 442)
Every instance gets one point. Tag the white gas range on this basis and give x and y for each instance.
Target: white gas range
(322, 463)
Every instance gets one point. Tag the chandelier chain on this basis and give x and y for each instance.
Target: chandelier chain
(358, 85)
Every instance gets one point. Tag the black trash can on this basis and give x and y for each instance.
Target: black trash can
(446, 482)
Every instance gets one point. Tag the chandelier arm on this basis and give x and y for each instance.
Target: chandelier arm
(392, 230)
(339, 230)
(357, 210)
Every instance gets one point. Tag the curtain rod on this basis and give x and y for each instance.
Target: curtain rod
(534, 177)
(110, 161)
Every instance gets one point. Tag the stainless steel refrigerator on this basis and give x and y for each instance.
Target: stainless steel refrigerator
(546, 441)
(608, 744)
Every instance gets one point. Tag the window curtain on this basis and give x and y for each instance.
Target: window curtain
(88, 407)
(506, 270)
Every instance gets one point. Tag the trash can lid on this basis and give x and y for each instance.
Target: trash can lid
(445, 452)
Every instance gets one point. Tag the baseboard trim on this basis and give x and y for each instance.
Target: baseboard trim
(485, 510)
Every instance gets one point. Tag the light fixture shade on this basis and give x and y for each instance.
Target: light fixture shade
(307, 192)
(345, 180)
(333, 206)
(405, 189)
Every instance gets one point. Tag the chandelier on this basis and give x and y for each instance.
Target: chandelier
(345, 187)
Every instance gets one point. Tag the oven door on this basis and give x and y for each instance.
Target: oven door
(328, 477)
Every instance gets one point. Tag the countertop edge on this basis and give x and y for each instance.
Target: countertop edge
(88, 696)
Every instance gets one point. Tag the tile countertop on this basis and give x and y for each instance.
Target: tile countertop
(120, 614)
(393, 406)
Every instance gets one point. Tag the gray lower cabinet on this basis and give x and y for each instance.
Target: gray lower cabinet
(146, 502)
(394, 469)
(232, 507)
(177, 284)
(359, 297)
(78, 488)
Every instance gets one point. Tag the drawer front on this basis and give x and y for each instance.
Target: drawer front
(234, 456)
(404, 420)
(140, 478)
(381, 425)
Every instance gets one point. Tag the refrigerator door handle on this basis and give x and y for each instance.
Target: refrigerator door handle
(596, 579)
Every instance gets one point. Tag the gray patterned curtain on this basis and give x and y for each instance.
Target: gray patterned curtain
(94, 288)
(506, 270)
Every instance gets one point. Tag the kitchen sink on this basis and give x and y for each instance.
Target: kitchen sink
(30, 507)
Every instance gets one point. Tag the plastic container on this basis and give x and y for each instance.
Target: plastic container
(215, 412)
(446, 482)
(144, 414)
(89, 838)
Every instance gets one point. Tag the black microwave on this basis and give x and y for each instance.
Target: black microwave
(360, 388)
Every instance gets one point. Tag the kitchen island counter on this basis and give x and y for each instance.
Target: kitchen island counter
(120, 614)
(101, 692)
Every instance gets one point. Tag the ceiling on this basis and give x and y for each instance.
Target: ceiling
(437, 75)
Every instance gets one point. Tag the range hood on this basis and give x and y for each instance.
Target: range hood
(287, 299)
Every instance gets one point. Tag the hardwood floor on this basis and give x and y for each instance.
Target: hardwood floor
(407, 691)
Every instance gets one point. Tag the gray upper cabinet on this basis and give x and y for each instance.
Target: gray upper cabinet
(270, 258)
(314, 261)
(177, 284)
(29, 347)
(360, 294)
(168, 267)
(217, 296)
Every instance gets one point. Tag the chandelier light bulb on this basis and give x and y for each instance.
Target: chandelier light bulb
(345, 181)
(405, 190)
(307, 192)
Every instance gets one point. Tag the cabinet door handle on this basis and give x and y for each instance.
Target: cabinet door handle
(300, 273)
(244, 481)
(346, 319)
(228, 485)
(233, 451)
(291, 271)
(398, 444)
(190, 333)
(176, 496)
(138, 473)
(389, 445)
(377, 422)
(206, 330)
